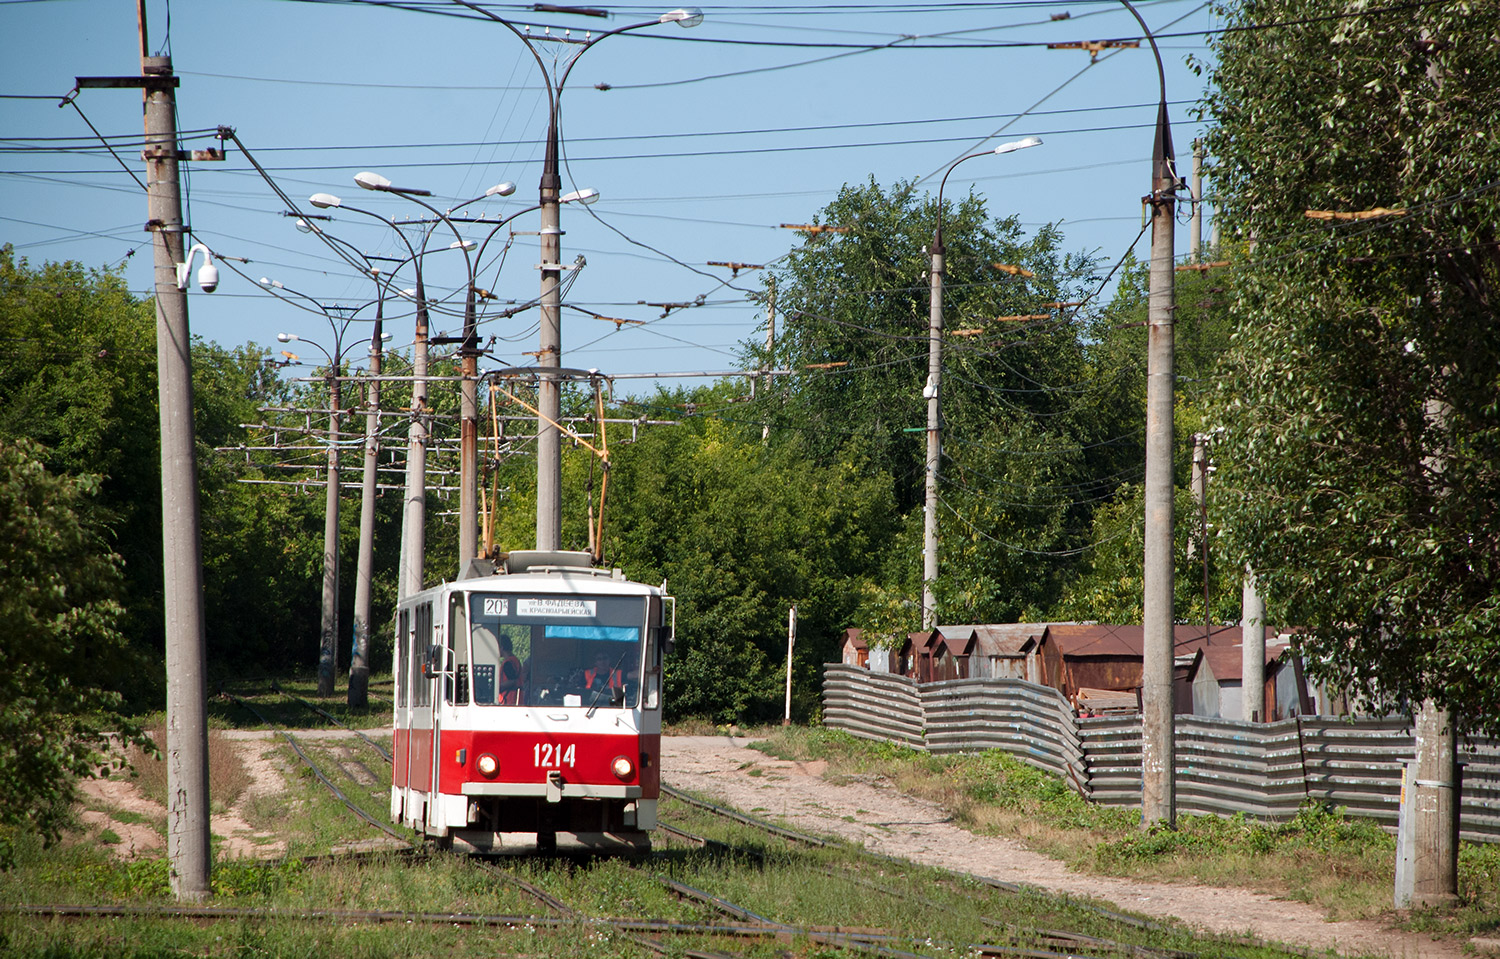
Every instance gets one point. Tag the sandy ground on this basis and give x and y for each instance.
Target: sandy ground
(237, 838)
(889, 822)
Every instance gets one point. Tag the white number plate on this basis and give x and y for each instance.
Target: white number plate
(553, 755)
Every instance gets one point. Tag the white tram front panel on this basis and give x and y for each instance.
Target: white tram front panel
(528, 710)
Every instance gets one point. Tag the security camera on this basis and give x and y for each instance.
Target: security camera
(208, 277)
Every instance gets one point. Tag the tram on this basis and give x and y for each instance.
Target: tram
(528, 706)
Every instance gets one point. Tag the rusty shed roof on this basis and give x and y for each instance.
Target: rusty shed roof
(1227, 663)
(855, 635)
(999, 639)
(1127, 639)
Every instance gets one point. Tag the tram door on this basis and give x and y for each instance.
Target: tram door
(401, 734)
(421, 747)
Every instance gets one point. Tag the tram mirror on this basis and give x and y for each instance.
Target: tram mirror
(430, 665)
(663, 624)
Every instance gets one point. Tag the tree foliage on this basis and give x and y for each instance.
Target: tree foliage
(78, 377)
(59, 588)
(740, 531)
(1363, 433)
(1034, 430)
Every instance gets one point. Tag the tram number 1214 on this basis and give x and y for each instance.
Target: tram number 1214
(552, 755)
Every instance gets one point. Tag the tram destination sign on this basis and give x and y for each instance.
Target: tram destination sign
(557, 607)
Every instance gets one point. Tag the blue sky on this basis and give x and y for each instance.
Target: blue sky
(707, 141)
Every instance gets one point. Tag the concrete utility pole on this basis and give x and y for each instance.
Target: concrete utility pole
(549, 354)
(932, 391)
(328, 637)
(791, 640)
(1200, 497)
(765, 430)
(1432, 807)
(1432, 793)
(359, 654)
(1195, 249)
(328, 645)
(414, 508)
(934, 426)
(1253, 650)
(182, 587)
(1158, 750)
(549, 351)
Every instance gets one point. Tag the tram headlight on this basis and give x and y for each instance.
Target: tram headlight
(623, 768)
(488, 766)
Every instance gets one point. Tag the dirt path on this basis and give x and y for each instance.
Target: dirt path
(892, 823)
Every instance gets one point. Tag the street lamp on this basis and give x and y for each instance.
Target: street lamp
(549, 398)
(1158, 750)
(468, 501)
(414, 508)
(931, 392)
(469, 413)
(328, 641)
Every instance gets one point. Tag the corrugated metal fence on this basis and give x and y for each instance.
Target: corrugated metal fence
(1265, 770)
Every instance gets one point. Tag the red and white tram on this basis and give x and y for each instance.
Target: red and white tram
(528, 706)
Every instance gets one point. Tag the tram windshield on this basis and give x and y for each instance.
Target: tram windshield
(550, 650)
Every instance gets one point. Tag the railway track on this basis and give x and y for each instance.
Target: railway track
(720, 922)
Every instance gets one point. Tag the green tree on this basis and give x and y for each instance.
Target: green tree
(1107, 586)
(1363, 434)
(740, 531)
(1030, 420)
(78, 377)
(59, 587)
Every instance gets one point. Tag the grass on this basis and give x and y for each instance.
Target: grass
(932, 914)
(1344, 867)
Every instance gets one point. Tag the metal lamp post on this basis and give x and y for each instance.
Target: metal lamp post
(931, 391)
(468, 503)
(469, 413)
(414, 509)
(549, 357)
(328, 636)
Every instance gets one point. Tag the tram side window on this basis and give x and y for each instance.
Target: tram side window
(651, 693)
(456, 680)
(403, 656)
(421, 639)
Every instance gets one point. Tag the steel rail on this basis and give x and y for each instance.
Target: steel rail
(386, 753)
(569, 914)
(297, 748)
(876, 940)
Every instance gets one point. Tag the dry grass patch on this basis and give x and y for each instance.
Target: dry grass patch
(227, 776)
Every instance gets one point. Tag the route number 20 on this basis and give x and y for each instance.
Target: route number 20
(553, 755)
